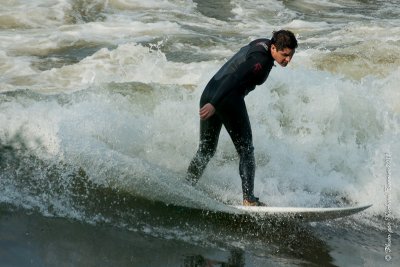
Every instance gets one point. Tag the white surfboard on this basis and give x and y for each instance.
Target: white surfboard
(297, 213)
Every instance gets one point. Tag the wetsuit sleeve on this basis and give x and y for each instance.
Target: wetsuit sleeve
(247, 75)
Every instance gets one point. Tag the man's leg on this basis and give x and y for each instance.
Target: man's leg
(209, 134)
(234, 116)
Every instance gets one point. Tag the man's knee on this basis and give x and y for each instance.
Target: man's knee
(246, 150)
(207, 150)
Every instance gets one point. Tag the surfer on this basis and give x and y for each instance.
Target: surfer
(222, 103)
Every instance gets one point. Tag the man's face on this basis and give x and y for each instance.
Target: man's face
(282, 57)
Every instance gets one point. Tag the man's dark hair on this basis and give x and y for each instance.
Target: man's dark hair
(283, 39)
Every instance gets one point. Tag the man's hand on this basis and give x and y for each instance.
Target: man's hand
(206, 111)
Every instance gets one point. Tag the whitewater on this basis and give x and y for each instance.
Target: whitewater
(99, 120)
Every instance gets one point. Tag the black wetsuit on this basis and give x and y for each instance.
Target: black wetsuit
(226, 91)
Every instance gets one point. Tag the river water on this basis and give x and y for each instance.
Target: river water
(99, 120)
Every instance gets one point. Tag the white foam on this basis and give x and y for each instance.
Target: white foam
(151, 4)
(42, 13)
(318, 138)
(127, 63)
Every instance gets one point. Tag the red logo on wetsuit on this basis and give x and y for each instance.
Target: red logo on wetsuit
(257, 68)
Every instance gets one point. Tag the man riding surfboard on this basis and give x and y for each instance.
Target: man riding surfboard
(222, 103)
